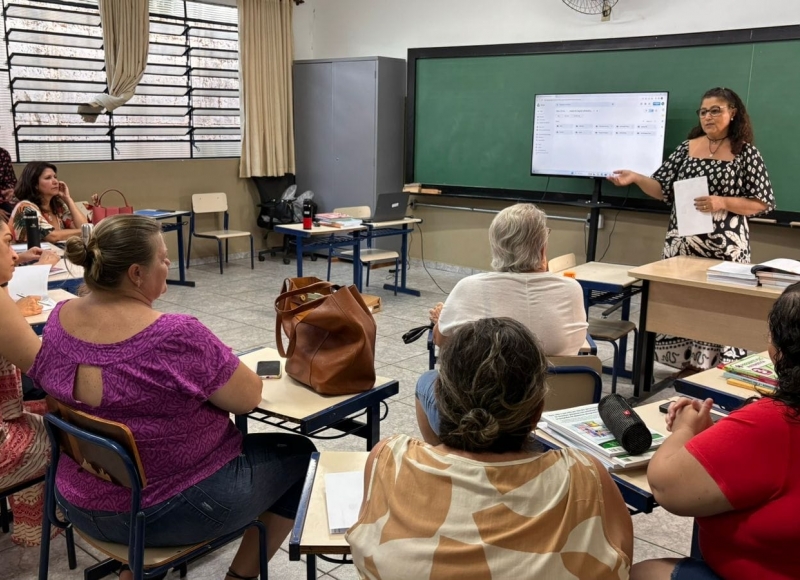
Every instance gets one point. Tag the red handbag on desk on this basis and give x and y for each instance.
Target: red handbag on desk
(331, 339)
(100, 212)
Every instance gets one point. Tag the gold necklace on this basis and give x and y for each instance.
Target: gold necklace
(712, 141)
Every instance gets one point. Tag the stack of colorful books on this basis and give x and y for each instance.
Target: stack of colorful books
(755, 372)
(337, 220)
(582, 428)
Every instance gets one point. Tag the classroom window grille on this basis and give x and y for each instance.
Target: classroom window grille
(186, 105)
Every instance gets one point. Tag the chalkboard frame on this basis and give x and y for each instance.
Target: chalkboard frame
(723, 37)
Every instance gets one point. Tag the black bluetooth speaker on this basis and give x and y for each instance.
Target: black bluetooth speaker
(626, 426)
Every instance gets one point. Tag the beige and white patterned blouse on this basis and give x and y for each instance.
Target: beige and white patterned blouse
(432, 515)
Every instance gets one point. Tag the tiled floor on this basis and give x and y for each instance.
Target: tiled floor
(238, 307)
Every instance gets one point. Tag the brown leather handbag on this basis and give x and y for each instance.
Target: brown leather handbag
(331, 339)
(293, 300)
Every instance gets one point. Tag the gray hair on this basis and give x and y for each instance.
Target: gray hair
(518, 237)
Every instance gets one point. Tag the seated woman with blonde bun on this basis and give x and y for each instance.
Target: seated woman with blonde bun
(174, 384)
(486, 503)
(550, 305)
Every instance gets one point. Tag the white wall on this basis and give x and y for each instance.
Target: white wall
(349, 28)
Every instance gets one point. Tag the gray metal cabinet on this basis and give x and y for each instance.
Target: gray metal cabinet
(348, 119)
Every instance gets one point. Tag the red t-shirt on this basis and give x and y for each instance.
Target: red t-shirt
(754, 457)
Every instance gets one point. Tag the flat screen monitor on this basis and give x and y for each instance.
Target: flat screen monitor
(593, 135)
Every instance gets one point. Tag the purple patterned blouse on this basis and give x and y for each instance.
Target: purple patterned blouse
(157, 383)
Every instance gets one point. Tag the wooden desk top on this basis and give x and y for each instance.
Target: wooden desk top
(389, 224)
(603, 273)
(289, 399)
(316, 537)
(296, 229)
(691, 271)
(56, 295)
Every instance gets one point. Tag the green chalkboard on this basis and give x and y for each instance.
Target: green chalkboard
(473, 115)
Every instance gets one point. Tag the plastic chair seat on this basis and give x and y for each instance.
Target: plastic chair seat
(153, 557)
(609, 330)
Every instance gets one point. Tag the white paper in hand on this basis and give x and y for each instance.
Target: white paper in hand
(29, 281)
(343, 494)
(692, 222)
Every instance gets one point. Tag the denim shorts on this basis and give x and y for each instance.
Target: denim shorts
(693, 569)
(426, 398)
(267, 476)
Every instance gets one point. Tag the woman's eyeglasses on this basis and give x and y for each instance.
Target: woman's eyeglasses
(713, 111)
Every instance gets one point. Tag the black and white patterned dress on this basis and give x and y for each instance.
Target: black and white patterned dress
(745, 176)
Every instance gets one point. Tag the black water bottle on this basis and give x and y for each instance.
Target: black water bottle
(32, 228)
(308, 215)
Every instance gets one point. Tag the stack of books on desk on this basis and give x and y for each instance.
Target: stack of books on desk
(755, 372)
(732, 273)
(778, 273)
(337, 220)
(582, 428)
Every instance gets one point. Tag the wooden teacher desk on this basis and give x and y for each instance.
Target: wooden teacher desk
(678, 300)
(285, 400)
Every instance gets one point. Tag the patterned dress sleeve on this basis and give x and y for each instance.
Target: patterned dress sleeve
(667, 174)
(65, 216)
(8, 180)
(755, 183)
(18, 222)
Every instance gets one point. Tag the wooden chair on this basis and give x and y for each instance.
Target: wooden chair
(369, 255)
(573, 381)
(203, 203)
(601, 329)
(108, 450)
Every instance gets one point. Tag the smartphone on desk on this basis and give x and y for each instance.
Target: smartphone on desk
(269, 369)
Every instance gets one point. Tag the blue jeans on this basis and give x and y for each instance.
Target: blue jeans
(267, 476)
(693, 569)
(426, 398)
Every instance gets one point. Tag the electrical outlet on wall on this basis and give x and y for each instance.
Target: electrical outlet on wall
(600, 222)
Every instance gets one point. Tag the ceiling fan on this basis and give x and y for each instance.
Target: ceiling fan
(602, 7)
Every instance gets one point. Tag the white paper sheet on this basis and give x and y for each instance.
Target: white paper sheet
(29, 281)
(343, 494)
(692, 222)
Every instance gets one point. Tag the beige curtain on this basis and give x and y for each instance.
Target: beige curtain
(126, 40)
(265, 92)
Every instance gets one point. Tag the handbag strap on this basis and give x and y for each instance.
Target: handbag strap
(100, 198)
(281, 299)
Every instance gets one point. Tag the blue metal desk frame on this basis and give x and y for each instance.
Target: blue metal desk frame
(326, 241)
(376, 231)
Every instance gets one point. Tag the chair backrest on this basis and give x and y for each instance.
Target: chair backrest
(209, 202)
(356, 211)
(561, 263)
(573, 381)
(104, 448)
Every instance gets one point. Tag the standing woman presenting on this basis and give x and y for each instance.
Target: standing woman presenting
(721, 149)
